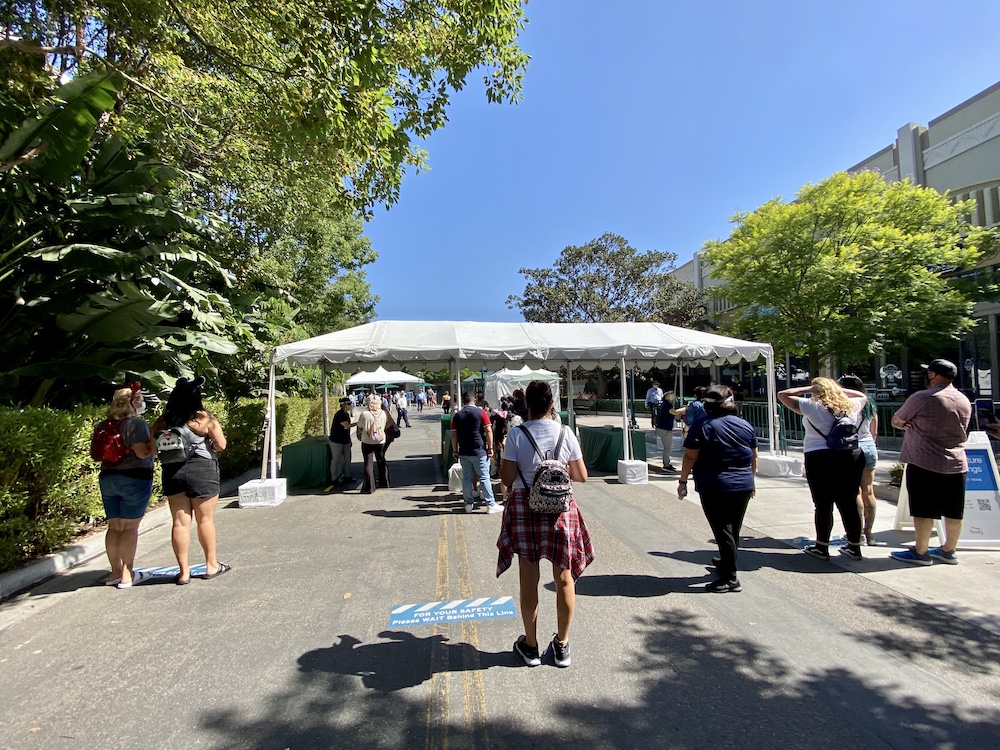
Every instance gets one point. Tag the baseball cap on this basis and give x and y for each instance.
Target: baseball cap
(942, 367)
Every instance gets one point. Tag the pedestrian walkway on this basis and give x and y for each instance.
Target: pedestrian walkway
(292, 648)
(782, 509)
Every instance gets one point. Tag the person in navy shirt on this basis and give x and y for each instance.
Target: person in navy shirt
(721, 450)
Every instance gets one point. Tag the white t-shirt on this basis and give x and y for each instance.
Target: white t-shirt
(814, 413)
(546, 434)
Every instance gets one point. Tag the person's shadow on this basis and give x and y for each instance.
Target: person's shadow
(403, 662)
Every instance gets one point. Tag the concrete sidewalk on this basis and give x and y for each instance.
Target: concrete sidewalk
(783, 510)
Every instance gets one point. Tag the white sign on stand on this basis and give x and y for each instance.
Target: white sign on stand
(982, 497)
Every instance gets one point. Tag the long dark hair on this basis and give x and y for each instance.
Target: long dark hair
(184, 402)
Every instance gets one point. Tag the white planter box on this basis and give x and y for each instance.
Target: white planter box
(263, 493)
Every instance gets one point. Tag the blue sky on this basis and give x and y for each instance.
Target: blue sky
(657, 120)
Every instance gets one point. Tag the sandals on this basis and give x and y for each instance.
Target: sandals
(223, 568)
(182, 581)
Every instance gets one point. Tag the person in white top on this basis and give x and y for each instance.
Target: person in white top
(654, 398)
(834, 476)
(402, 407)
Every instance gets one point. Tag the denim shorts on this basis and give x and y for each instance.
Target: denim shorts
(871, 453)
(197, 478)
(124, 496)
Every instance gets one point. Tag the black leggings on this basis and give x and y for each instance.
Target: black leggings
(374, 460)
(725, 511)
(834, 478)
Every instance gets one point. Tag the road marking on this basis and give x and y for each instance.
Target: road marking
(437, 699)
(474, 689)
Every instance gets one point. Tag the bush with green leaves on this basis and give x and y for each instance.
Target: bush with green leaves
(48, 482)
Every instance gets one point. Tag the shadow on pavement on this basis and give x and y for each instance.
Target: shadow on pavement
(403, 662)
(695, 688)
(942, 633)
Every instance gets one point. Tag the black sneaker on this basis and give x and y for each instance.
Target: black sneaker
(528, 653)
(724, 586)
(560, 653)
(822, 553)
(668, 469)
(716, 562)
(851, 551)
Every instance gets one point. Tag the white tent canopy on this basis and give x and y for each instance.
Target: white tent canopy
(506, 381)
(437, 344)
(381, 376)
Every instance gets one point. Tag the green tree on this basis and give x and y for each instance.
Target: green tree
(608, 280)
(852, 264)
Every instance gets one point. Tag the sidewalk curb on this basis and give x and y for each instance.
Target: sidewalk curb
(15, 581)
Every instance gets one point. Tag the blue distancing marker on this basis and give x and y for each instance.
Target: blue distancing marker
(171, 571)
(488, 608)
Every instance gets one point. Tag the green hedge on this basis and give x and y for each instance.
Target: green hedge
(49, 490)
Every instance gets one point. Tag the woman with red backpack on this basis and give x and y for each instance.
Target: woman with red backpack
(125, 450)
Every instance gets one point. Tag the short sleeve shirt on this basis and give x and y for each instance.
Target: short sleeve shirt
(725, 448)
(467, 425)
(546, 433)
(816, 417)
(133, 430)
(938, 419)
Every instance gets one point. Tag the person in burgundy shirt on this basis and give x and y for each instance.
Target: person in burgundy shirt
(934, 422)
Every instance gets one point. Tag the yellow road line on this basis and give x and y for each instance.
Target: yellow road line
(437, 699)
(474, 690)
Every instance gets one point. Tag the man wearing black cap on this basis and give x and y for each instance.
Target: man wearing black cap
(340, 444)
(934, 422)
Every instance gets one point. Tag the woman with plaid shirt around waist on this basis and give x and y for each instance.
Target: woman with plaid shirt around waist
(561, 538)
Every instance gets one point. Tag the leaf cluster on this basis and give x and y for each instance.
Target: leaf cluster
(850, 266)
(608, 280)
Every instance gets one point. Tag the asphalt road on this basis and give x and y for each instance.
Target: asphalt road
(291, 648)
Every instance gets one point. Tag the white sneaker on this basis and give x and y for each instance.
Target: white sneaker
(469, 507)
(495, 508)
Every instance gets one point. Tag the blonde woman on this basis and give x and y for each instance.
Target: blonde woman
(834, 476)
(126, 486)
(371, 432)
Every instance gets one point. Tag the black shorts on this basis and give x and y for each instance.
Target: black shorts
(933, 495)
(197, 477)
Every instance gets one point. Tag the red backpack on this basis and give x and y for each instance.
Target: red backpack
(107, 444)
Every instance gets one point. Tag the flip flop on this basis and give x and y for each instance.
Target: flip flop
(138, 577)
(182, 582)
(113, 581)
(223, 568)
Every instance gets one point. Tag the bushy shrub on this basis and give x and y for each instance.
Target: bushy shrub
(48, 482)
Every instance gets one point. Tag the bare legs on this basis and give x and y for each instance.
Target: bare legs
(866, 500)
(120, 541)
(923, 528)
(565, 600)
(203, 510)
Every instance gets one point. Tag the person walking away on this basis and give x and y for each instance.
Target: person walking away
(340, 444)
(126, 486)
(561, 538)
(654, 399)
(867, 433)
(665, 431)
(371, 427)
(472, 443)
(721, 450)
(446, 402)
(421, 399)
(833, 475)
(402, 409)
(934, 422)
(191, 483)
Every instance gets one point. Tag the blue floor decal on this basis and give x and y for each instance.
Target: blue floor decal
(488, 608)
(171, 571)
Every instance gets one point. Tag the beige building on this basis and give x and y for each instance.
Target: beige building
(957, 152)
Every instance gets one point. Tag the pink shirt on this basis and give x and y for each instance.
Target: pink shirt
(935, 440)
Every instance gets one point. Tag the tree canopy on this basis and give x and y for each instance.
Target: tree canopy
(852, 264)
(608, 280)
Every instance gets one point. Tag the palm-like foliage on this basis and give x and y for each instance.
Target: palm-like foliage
(102, 272)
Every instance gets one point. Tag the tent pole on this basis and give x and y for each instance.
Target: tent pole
(570, 414)
(326, 398)
(772, 402)
(270, 449)
(626, 435)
